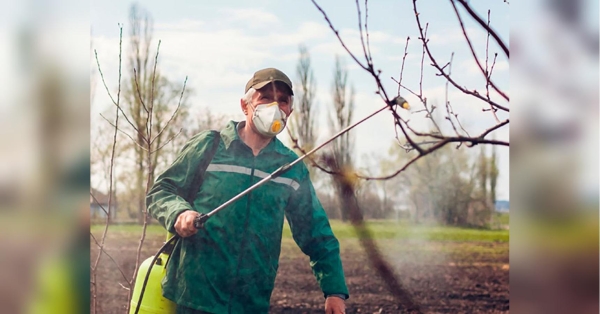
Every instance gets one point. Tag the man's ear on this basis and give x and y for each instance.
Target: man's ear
(244, 106)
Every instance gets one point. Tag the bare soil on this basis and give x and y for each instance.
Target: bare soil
(442, 277)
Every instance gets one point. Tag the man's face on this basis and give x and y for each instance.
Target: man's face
(270, 93)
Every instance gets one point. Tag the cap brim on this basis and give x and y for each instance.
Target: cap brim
(263, 84)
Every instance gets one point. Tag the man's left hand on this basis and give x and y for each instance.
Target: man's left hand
(335, 305)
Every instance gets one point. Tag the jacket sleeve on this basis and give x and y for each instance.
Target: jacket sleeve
(168, 196)
(312, 232)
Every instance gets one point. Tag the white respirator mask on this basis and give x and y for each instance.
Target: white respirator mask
(268, 119)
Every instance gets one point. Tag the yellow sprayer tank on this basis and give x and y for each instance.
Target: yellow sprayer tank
(152, 302)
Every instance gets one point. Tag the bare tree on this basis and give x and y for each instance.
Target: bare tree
(494, 172)
(149, 100)
(483, 173)
(340, 117)
(302, 122)
(147, 124)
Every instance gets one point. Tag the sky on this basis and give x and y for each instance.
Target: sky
(219, 45)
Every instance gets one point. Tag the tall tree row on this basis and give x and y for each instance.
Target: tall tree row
(340, 117)
(302, 122)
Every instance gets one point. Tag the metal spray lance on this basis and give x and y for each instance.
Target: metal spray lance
(202, 218)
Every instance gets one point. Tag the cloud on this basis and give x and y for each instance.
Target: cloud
(306, 33)
(186, 25)
(249, 17)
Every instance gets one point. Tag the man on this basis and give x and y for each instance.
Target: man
(229, 266)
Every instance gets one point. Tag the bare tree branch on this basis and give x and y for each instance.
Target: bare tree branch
(367, 30)
(441, 70)
(173, 115)
(125, 133)
(151, 109)
(338, 36)
(102, 250)
(106, 86)
(360, 30)
(381, 91)
(96, 200)
(485, 74)
(423, 35)
(402, 67)
(167, 142)
(486, 27)
(137, 87)
(102, 77)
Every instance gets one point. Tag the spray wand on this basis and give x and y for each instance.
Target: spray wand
(202, 218)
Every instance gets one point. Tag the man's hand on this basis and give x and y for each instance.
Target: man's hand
(185, 223)
(335, 305)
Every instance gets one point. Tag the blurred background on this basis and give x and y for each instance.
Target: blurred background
(554, 156)
(45, 95)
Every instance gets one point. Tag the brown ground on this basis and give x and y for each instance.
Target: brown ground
(443, 277)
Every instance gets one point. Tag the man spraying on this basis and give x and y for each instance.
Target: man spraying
(230, 265)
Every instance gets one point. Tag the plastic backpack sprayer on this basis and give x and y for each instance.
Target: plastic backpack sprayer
(147, 293)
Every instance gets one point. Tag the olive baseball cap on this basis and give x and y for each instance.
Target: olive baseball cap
(266, 76)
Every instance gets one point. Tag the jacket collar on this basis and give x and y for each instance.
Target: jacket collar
(231, 133)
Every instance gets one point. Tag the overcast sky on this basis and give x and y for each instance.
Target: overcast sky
(219, 45)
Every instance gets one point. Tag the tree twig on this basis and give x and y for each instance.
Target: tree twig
(338, 36)
(123, 132)
(402, 67)
(102, 250)
(482, 24)
(173, 115)
(434, 63)
(487, 77)
(167, 142)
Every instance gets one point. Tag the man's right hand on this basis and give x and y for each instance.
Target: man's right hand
(185, 223)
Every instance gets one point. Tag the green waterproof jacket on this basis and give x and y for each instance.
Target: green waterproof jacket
(230, 265)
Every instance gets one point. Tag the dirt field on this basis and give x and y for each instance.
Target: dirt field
(442, 276)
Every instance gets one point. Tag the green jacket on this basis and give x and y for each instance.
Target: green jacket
(230, 265)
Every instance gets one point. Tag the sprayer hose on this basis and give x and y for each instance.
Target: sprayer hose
(173, 239)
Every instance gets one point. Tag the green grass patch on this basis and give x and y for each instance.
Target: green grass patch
(502, 218)
(128, 229)
(380, 230)
(390, 229)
